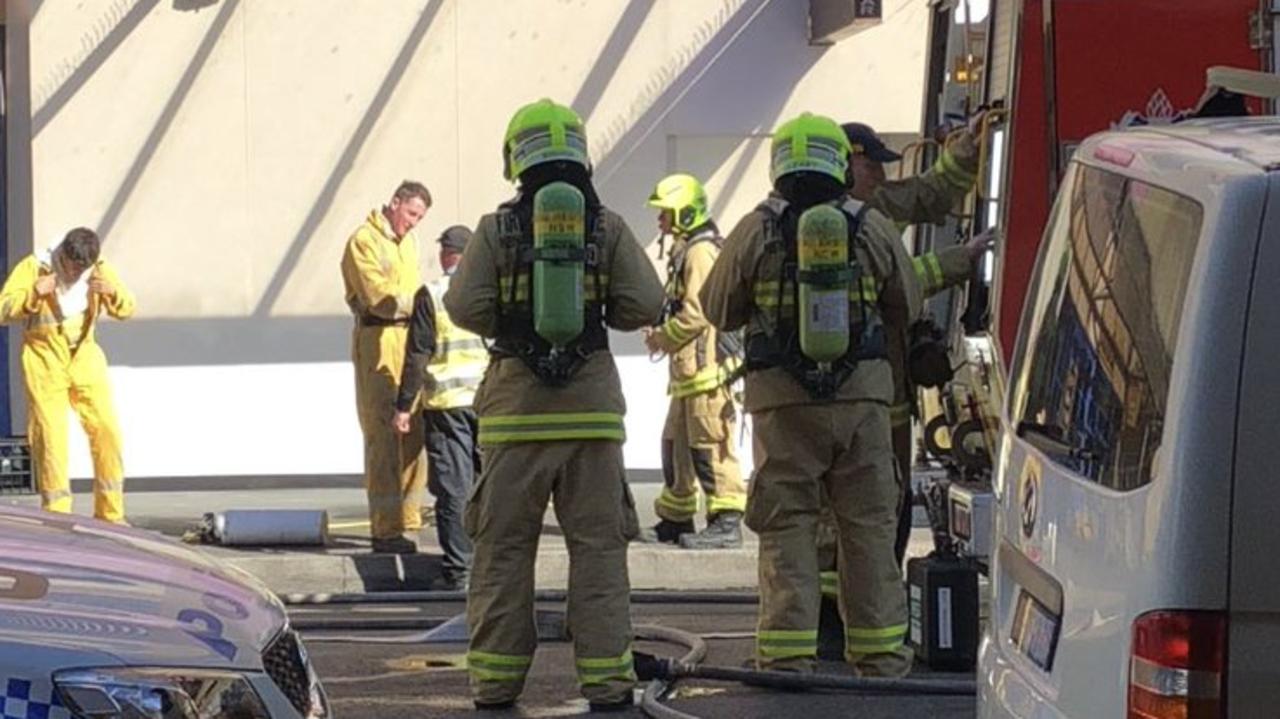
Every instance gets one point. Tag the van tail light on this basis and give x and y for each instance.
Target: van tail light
(1178, 666)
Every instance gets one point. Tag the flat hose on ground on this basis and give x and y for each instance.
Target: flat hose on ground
(651, 701)
(551, 595)
(671, 670)
(801, 682)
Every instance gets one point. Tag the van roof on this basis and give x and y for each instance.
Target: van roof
(1252, 140)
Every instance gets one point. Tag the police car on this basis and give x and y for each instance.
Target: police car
(104, 621)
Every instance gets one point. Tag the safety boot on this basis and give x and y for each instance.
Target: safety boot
(394, 545)
(666, 532)
(724, 531)
(620, 705)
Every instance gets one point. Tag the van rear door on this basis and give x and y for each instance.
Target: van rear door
(1253, 647)
(1114, 474)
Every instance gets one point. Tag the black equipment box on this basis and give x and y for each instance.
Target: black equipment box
(942, 594)
(16, 475)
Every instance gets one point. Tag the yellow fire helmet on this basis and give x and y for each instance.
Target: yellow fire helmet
(543, 131)
(810, 143)
(685, 197)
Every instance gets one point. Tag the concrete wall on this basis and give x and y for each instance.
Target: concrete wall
(226, 148)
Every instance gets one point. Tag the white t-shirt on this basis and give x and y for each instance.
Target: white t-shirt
(73, 299)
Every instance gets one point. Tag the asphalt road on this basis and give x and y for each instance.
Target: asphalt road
(429, 680)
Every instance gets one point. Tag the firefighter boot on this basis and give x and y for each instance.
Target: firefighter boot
(665, 532)
(724, 531)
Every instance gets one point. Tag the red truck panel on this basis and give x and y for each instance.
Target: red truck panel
(1109, 57)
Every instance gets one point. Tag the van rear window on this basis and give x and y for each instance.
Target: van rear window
(1102, 325)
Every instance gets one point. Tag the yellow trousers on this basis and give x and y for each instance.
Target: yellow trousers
(56, 380)
(395, 468)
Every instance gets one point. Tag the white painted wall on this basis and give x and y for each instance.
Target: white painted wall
(226, 148)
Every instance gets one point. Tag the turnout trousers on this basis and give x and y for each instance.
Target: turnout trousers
(698, 452)
(504, 517)
(838, 454)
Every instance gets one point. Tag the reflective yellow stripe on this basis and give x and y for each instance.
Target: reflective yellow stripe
(870, 293)
(875, 641)
(736, 503)
(900, 414)
(498, 667)
(766, 293)
(549, 427)
(589, 293)
(599, 671)
(681, 505)
(830, 582)
(922, 274)
(787, 643)
(935, 271)
(706, 379)
(950, 170)
(896, 630)
(675, 333)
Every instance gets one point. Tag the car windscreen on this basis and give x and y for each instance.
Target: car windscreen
(1101, 326)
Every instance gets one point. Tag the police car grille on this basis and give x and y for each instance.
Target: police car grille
(286, 667)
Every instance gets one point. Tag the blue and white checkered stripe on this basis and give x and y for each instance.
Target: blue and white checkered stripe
(27, 699)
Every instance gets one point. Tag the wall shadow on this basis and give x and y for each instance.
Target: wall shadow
(320, 208)
(90, 64)
(148, 150)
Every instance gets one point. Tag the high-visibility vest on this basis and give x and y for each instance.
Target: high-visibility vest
(459, 362)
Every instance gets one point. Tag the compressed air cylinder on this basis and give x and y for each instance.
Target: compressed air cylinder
(271, 527)
(559, 239)
(822, 252)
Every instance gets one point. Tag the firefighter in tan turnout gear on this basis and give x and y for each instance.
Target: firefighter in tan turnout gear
(380, 274)
(697, 441)
(818, 279)
(928, 198)
(544, 277)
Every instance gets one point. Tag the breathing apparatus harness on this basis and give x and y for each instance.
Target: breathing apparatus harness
(782, 339)
(554, 363)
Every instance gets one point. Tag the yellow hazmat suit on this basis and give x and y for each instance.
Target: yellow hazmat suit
(63, 366)
(380, 273)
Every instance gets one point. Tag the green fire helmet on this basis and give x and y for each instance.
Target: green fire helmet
(685, 197)
(810, 143)
(543, 131)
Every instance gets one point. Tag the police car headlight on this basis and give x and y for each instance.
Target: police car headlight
(158, 694)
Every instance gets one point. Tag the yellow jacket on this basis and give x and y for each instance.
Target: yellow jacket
(729, 300)
(43, 323)
(379, 273)
(691, 342)
(513, 404)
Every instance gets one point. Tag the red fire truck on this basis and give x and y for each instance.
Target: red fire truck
(1051, 73)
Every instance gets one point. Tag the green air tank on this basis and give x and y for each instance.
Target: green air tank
(559, 241)
(822, 253)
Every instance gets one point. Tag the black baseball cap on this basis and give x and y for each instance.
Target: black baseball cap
(865, 141)
(455, 238)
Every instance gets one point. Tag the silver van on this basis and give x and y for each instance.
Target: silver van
(1136, 571)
